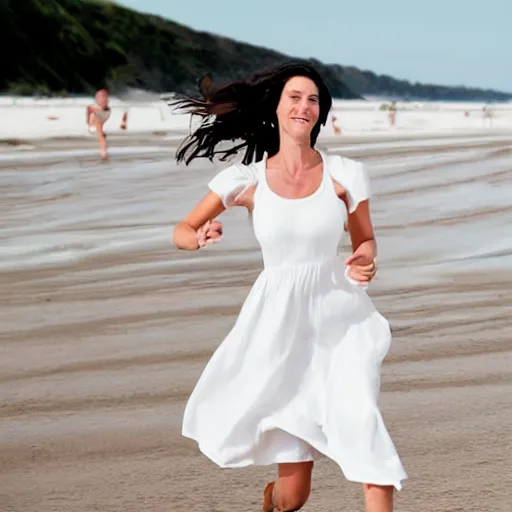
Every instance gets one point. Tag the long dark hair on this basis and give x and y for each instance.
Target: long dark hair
(244, 111)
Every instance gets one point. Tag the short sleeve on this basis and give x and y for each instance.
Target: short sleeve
(231, 182)
(353, 177)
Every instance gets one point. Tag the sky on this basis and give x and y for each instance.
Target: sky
(446, 42)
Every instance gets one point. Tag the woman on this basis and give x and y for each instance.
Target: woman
(298, 375)
(97, 116)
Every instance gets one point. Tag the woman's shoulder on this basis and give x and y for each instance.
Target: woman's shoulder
(340, 165)
(239, 172)
(231, 181)
(352, 176)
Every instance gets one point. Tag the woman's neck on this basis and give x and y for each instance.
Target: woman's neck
(296, 157)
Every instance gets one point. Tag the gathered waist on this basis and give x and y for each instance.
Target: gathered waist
(305, 266)
(309, 276)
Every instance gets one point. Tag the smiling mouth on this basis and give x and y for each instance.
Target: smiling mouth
(301, 120)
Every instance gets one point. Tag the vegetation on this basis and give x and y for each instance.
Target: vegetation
(59, 47)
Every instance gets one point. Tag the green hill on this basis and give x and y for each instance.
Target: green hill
(77, 46)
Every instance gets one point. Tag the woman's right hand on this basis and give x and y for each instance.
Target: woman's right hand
(209, 233)
(196, 230)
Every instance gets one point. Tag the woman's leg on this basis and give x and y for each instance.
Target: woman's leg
(291, 490)
(102, 140)
(378, 498)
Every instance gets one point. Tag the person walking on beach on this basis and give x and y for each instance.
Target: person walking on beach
(97, 116)
(392, 114)
(298, 375)
(335, 126)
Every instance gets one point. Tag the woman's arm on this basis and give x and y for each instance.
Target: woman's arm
(195, 230)
(361, 263)
(361, 232)
(89, 110)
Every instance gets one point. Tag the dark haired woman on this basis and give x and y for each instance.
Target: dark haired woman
(298, 375)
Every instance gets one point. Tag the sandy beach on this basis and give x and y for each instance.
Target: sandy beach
(105, 327)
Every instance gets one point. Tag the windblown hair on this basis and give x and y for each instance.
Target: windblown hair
(244, 113)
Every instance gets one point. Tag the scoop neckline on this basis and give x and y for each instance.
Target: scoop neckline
(313, 194)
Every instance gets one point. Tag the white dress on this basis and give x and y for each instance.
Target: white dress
(298, 376)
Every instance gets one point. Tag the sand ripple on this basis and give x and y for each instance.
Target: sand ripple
(104, 327)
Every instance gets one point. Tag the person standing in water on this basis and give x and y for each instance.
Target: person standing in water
(298, 376)
(97, 116)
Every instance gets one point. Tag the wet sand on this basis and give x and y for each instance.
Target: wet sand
(104, 327)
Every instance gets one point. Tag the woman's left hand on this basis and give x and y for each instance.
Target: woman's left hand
(359, 269)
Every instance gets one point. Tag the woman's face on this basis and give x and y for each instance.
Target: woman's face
(102, 98)
(299, 107)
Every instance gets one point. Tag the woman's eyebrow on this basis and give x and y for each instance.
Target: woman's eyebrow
(294, 91)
